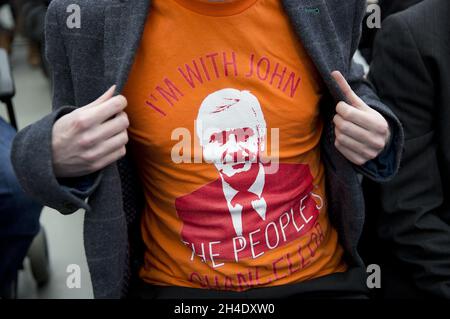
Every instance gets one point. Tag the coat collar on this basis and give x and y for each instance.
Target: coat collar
(308, 18)
(125, 21)
(124, 25)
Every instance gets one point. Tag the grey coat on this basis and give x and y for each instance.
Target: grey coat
(88, 60)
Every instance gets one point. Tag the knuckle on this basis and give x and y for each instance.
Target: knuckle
(337, 144)
(343, 109)
(347, 112)
(384, 128)
(85, 141)
(369, 154)
(359, 161)
(336, 119)
(340, 138)
(121, 100)
(124, 138)
(96, 166)
(362, 162)
(80, 122)
(89, 157)
(379, 144)
(365, 153)
(122, 151)
(338, 124)
(344, 127)
(125, 120)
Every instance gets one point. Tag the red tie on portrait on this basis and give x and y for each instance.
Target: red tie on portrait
(249, 215)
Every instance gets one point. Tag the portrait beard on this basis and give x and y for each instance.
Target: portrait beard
(242, 181)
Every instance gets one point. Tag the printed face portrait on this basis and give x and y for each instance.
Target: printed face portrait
(232, 130)
(232, 151)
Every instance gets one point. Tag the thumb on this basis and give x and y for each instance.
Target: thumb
(350, 95)
(105, 97)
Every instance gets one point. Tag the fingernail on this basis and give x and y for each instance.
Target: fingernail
(108, 91)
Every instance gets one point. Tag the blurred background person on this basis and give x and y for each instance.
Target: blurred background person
(31, 24)
(19, 217)
(19, 214)
(7, 25)
(28, 18)
(411, 233)
(387, 7)
(24, 258)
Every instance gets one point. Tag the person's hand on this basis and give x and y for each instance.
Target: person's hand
(91, 137)
(361, 132)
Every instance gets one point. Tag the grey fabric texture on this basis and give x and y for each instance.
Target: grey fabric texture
(86, 61)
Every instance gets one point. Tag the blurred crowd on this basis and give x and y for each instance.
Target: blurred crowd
(25, 17)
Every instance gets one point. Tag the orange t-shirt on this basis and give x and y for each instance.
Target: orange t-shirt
(225, 130)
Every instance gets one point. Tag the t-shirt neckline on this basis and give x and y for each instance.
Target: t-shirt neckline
(217, 8)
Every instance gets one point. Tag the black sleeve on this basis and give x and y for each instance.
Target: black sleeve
(411, 220)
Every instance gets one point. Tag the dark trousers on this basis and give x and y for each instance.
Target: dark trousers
(348, 285)
(19, 215)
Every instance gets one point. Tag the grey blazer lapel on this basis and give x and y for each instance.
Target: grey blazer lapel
(312, 22)
(124, 24)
